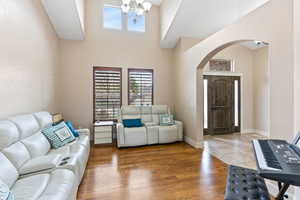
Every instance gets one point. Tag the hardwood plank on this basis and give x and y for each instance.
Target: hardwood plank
(167, 172)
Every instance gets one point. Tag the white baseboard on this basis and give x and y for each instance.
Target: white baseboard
(260, 132)
(193, 143)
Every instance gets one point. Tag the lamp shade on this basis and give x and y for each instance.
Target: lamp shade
(125, 8)
(147, 6)
(140, 11)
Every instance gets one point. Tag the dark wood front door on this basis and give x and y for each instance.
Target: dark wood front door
(221, 97)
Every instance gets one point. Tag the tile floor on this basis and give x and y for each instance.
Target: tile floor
(233, 149)
(236, 149)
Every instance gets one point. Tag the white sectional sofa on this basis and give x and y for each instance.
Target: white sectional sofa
(31, 168)
(151, 132)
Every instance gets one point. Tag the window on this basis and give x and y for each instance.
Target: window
(112, 17)
(140, 87)
(205, 84)
(107, 93)
(221, 65)
(135, 23)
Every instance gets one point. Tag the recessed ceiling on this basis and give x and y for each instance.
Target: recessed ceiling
(202, 18)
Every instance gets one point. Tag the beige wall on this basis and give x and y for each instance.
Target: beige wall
(272, 23)
(243, 64)
(28, 58)
(261, 87)
(110, 48)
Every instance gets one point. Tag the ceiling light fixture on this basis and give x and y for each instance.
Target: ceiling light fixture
(140, 7)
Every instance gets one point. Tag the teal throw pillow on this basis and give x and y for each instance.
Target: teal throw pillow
(58, 135)
(5, 193)
(166, 120)
(132, 123)
(71, 127)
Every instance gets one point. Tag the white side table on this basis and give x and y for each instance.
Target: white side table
(103, 132)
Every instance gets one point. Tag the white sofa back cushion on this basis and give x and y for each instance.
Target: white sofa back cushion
(159, 110)
(17, 154)
(8, 173)
(148, 114)
(26, 124)
(21, 140)
(7, 128)
(44, 119)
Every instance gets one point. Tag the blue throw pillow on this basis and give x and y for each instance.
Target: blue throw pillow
(132, 123)
(5, 192)
(71, 127)
(58, 135)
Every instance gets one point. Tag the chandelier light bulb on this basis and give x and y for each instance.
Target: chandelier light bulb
(139, 7)
(147, 6)
(140, 11)
(125, 8)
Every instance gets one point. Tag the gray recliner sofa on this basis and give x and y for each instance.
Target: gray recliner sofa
(151, 132)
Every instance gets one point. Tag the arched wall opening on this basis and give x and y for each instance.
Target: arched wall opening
(263, 24)
(250, 111)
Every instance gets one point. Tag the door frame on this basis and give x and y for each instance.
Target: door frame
(209, 73)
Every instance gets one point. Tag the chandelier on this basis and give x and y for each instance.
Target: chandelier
(139, 7)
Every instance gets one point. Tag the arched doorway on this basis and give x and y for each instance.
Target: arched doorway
(236, 90)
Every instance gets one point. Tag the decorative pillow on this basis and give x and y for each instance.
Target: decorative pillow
(5, 193)
(132, 123)
(58, 135)
(166, 120)
(73, 130)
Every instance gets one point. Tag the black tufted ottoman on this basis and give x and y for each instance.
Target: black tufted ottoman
(245, 184)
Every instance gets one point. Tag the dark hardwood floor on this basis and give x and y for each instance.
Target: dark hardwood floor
(167, 172)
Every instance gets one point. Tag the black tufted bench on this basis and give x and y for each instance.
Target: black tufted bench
(245, 184)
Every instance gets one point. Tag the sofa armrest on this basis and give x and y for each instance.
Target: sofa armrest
(179, 125)
(120, 134)
(84, 132)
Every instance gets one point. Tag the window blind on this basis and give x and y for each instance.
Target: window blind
(107, 93)
(140, 87)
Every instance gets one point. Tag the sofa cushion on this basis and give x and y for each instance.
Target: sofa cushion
(30, 188)
(44, 119)
(9, 134)
(146, 114)
(41, 163)
(131, 123)
(5, 193)
(27, 125)
(17, 154)
(8, 173)
(168, 134)
(61, 186)
(37, 145)
(58, 135)
(135, 136)
(159, 110)
(130, 112)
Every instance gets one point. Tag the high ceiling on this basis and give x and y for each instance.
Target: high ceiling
(201, 18)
